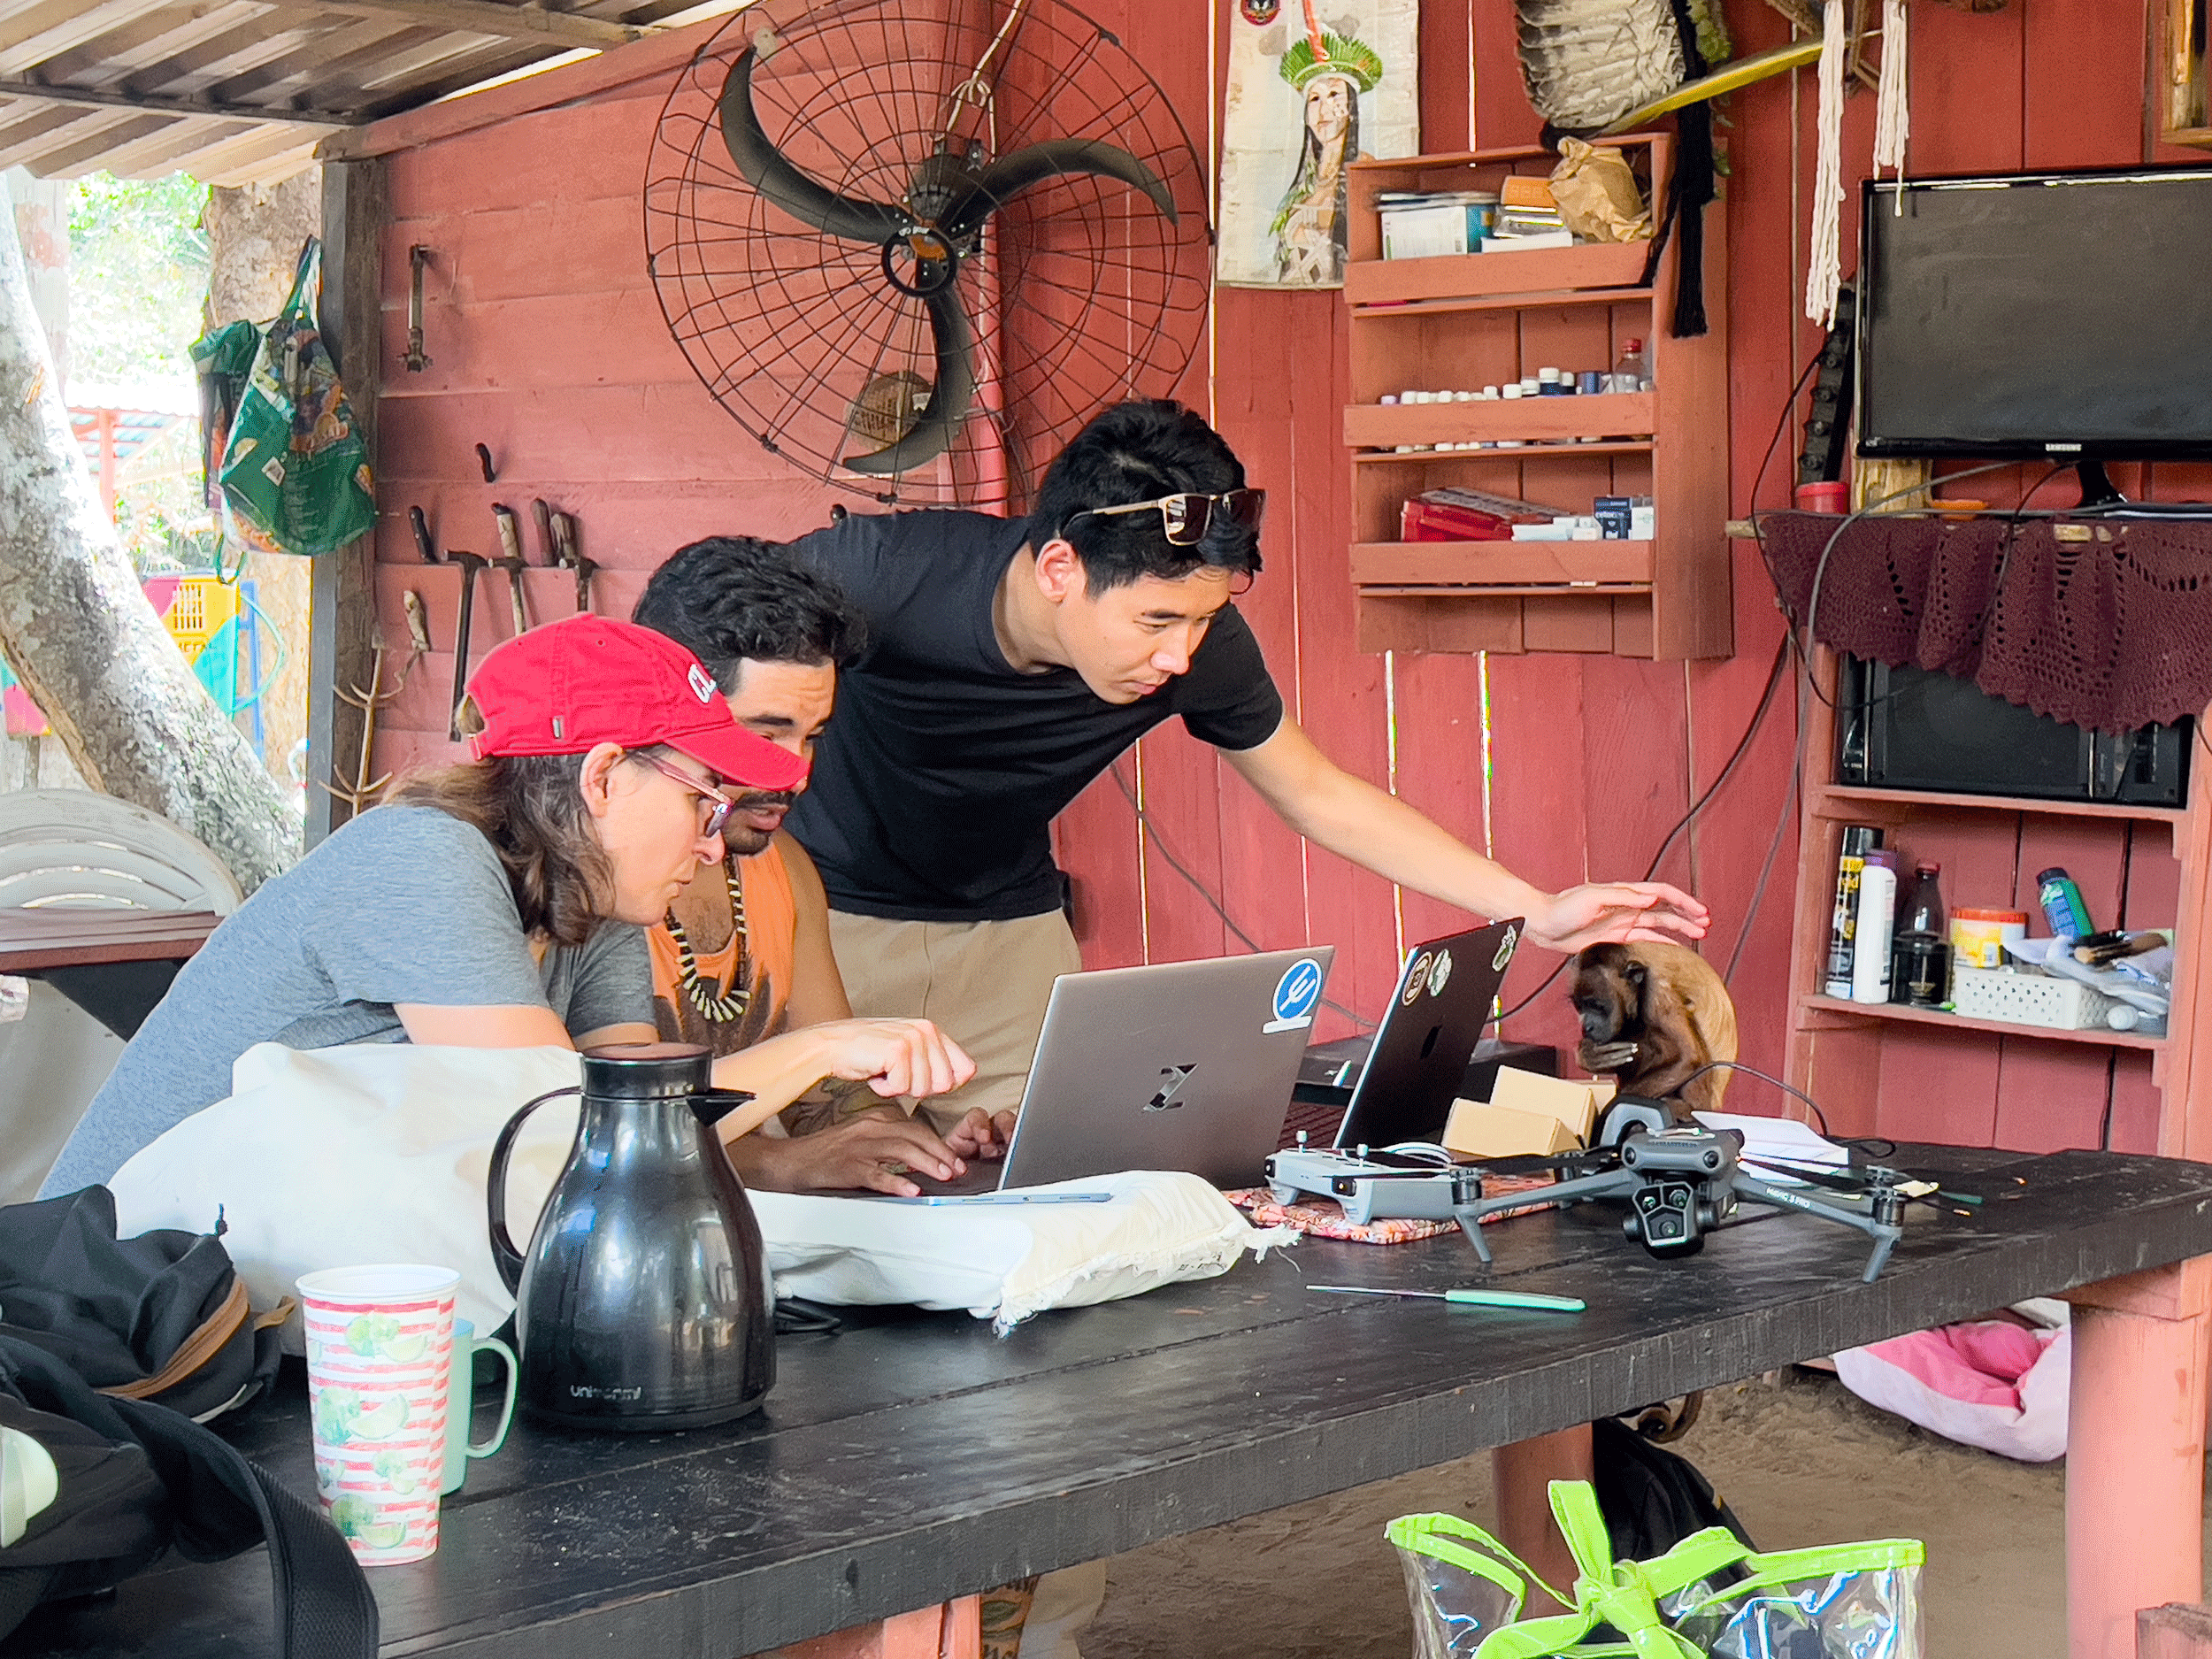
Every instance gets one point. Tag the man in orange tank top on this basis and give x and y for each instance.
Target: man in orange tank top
(744, 953)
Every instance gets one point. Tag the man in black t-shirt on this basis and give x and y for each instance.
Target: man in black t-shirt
(1008, 663)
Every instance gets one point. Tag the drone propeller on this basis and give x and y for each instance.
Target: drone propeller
(947, 201)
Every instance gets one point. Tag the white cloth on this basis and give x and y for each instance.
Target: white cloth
(379, 1153)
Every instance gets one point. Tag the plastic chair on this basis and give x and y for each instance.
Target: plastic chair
(78, 849)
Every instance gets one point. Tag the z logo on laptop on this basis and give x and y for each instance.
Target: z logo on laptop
(1171, 1080)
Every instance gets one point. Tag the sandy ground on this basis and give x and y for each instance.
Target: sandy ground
(1801, 1460)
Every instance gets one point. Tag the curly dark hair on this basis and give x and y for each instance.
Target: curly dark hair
(732, 599)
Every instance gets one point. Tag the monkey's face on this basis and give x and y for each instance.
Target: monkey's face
(1608, 992)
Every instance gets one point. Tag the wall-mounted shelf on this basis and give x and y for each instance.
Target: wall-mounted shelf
(1465, 321)
(1872, 1066)
(1835, 1013)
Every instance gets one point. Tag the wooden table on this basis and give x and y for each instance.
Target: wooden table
(114, 963)
(914, 1457)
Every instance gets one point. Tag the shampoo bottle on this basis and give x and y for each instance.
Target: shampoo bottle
(1877, 920)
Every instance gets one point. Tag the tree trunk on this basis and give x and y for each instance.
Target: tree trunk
(78, 632)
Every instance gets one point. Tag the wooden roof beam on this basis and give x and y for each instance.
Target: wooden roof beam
(91, 98)
(489, 17)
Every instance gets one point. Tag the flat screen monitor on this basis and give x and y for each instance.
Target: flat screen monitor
(2060, 315)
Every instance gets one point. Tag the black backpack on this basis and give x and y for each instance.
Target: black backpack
(1652, 1498)
(153, 1320)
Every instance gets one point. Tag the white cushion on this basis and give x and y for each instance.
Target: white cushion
(379, 1152)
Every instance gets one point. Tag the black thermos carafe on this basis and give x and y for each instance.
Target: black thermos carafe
(643, 1301)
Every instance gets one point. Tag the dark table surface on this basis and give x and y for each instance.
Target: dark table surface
(916, 1456)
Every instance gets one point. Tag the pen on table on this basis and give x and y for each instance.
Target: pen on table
(1471, 1298)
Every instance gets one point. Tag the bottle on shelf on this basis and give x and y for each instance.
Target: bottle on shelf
(1920, 956)
(1877, 920)
(1921, 910)
(1632, 372)
(2063, 906)
(1858, 840)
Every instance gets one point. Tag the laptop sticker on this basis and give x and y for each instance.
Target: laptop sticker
(1417, 977)
(1439, 972)
(1505, 950)
(1296, 994)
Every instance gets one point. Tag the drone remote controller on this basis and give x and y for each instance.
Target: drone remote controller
(1379, 1185)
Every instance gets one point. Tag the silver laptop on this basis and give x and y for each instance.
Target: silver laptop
(1180, 1065)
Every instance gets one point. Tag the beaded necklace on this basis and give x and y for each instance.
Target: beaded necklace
(719, 1007)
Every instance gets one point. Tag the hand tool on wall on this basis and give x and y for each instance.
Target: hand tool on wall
(572, 556)
(512, 562)
(471, 565)
(541, 515)
(423, 543)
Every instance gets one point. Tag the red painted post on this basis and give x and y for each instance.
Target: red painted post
(2135, 1453)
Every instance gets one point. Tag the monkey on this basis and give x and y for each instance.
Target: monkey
(1653, 1015)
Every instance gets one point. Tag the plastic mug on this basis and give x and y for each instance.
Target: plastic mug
(380, 1343)
(461, 1402)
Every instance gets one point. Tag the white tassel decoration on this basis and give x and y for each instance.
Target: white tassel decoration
(1824, 272)
(1893, 119)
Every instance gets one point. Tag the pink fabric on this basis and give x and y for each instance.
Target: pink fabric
(1979, 1364)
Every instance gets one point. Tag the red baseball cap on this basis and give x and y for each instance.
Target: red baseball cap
(565, 688)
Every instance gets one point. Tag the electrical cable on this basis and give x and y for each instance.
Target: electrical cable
(1743, 747)
(1787, 1088)
(1145, 824)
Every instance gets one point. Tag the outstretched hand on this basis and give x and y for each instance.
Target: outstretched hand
(1618, 912)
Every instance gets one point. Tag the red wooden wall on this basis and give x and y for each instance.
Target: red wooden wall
(548, 346)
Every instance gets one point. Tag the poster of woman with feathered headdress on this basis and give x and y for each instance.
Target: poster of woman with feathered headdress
(1308, 94)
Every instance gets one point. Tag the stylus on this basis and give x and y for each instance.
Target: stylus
(1019, 1198)
(1473, 1298)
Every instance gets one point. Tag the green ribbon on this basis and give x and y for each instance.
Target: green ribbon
(1438, 1536)
(1625, 1594)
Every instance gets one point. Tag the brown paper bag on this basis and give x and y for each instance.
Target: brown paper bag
(1597, 194)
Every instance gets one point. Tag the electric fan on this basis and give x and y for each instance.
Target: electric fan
(913, 248)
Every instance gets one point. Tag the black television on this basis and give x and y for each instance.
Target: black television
(2056, 316)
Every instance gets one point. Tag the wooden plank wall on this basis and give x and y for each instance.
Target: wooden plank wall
(548, 346)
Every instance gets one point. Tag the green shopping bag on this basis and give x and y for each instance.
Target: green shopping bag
(295, 473)
(1709, 1597)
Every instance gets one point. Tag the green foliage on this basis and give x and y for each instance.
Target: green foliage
(138, 265)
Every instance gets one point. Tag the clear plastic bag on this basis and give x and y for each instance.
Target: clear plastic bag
(1458, 1583)
(1849, 1601)
(1839, 1601)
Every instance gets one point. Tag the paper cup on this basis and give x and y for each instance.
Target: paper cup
(379, 1341)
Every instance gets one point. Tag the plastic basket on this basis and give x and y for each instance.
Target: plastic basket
(2027, 999)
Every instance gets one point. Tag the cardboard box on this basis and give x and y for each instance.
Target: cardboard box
(1478, 1131)
(1574, 1101)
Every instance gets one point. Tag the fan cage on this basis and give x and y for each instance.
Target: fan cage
(1080, 294)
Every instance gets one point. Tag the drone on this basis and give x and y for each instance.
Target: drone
(1682, 1181)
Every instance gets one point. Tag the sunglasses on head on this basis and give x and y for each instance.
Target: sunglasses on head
(1186, 515)
(718, 805)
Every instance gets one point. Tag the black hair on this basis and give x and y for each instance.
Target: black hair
(1140, 451)
(732, 599)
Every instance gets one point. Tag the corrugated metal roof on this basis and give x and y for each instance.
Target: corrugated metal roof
(238, 91)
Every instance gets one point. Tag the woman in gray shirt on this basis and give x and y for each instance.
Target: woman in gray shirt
(498, 903)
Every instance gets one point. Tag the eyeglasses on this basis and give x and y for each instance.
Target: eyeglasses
(718, 805)
(1185, 517)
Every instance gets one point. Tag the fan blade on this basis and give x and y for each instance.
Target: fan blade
(939, 422)
(1008, 176)
(783, 184)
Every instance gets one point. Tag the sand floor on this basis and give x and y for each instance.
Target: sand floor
(1801, 1460)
